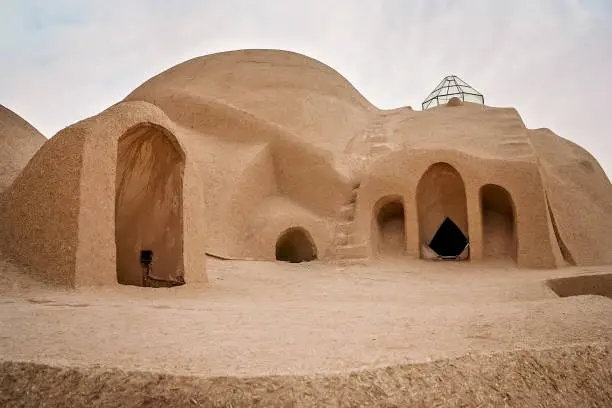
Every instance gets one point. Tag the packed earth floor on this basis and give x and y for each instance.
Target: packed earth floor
(264, 318)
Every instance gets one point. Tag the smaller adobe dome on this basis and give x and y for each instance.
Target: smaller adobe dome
(18, 142)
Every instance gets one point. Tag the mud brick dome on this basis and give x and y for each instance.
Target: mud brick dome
(264, 155)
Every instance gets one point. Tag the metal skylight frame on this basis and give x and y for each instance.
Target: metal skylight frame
(452, 86)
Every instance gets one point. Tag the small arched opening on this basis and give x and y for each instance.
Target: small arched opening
(442, 212)
(498, 223)
(149, 207)
(390, 228)
(295, 245)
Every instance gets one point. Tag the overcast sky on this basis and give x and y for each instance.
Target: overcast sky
(65, 60)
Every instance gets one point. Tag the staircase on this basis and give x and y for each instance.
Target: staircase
(373, 142)
(344, 245)
(516, 146)
(375, 138)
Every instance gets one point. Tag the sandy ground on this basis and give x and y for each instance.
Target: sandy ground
(259, 318)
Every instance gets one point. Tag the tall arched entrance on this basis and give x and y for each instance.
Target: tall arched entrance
(498, 225)
(389, 235)
(295, 245)
(149, 207)
(442, 211)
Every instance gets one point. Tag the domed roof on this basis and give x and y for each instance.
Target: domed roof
(296, 92)
(18, 142)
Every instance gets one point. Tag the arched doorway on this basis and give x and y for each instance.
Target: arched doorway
(390, 230)
(498, 225)
(149, 206)
(295, 245)
(442, 212)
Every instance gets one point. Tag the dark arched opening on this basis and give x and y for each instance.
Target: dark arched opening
(149, 207)
(390, 225)
(498, 223)
(295, 245)
(442, 212)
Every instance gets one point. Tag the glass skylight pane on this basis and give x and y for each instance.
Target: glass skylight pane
(460, 82)
(431, 104)
(472, 98)
(468, 89)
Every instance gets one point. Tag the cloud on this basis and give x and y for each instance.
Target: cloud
(551, 59)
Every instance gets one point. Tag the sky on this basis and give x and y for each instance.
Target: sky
(64, 60)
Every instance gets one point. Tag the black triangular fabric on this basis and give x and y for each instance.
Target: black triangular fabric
(448, 240)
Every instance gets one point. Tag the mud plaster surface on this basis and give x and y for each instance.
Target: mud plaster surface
(259, 318)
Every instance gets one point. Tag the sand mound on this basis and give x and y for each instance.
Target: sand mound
(562, 377)
(18, 142)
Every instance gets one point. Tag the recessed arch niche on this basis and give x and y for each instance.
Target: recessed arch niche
(442, 212)
(389, 227)
(149, 206)
(498, 223)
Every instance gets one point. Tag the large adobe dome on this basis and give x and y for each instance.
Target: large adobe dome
(18, 142)
(263, 155)
(296, 92)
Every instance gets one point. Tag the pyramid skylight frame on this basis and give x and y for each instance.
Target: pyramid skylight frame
(450, 87)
